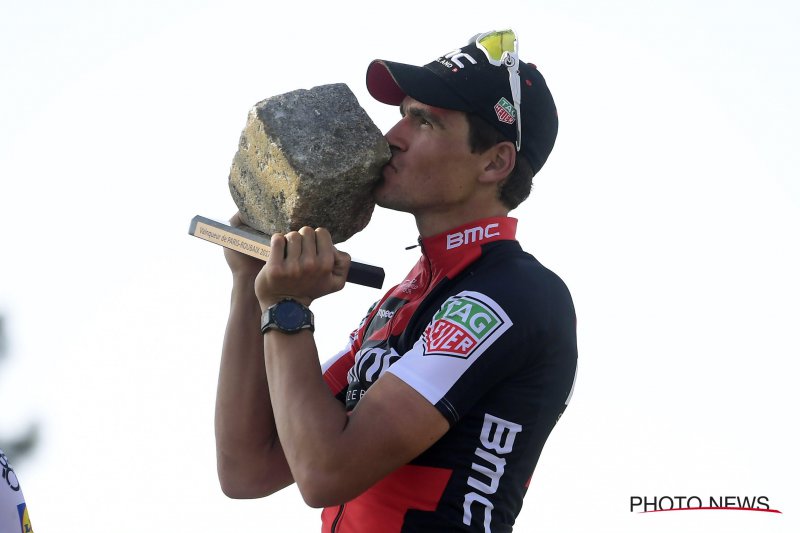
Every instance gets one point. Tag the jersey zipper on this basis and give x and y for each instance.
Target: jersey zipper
(338, 517)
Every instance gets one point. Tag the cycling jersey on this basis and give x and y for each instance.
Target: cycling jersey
(13, 512)
(486, 334)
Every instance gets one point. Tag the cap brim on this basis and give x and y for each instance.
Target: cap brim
(389, 82)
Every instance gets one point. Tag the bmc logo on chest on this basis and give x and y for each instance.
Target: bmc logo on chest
(476, 234)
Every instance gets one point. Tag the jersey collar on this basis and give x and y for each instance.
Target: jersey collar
(468, 237)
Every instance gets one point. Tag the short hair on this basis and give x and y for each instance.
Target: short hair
(517, 185)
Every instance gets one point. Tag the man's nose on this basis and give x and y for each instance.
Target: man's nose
(395, 138)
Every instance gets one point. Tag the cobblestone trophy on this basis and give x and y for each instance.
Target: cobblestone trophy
(305, 158)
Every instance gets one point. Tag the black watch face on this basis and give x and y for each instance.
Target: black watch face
(289, 315)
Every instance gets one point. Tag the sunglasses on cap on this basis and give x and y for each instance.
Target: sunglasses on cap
(502, 50)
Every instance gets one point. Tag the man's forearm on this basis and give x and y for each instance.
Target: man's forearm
(335, 456)
(250, 461)
(309, 419)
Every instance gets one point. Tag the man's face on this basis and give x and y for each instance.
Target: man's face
(432, 168)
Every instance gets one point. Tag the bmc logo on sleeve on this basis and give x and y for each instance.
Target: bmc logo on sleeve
(465, 324)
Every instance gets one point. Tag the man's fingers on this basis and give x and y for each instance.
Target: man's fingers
(323, 238)
(341, 264)
(303, 264)
(294, 246)
(308, 242)
(277, 245)
(236, 221)
(306, 253)
(325, 249)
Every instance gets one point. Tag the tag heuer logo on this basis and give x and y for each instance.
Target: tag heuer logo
(462, 325)
(505, 111)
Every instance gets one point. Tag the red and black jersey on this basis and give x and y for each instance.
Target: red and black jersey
(487, 334)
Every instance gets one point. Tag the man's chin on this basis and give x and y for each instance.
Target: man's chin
(387, 202)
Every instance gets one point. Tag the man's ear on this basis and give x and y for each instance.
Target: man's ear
(500, 161)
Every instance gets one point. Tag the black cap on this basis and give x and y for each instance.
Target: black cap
(465, 80)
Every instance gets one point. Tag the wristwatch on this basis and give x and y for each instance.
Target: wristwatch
(288, 316)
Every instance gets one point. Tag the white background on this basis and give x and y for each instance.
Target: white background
(670, 206)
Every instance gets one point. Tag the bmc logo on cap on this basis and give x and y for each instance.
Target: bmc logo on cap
(456, 55)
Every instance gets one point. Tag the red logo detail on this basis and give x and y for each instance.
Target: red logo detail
(503, 115)
(446, 337)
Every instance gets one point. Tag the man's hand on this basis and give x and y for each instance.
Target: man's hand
(303, 265)
(242, 266)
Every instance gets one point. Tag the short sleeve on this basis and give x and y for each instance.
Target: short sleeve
(467, 328)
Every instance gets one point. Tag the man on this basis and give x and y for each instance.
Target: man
(13, 511)
(434, 417)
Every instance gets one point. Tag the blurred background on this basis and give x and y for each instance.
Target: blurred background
(670, 206)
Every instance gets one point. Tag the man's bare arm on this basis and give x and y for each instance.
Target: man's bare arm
(250, 460)
(333, 456)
